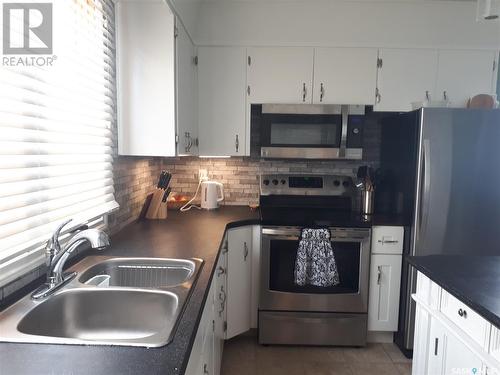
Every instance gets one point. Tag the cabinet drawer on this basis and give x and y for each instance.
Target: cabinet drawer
(470, 322)
(387, 240)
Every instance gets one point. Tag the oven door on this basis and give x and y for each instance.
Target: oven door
(351, 247)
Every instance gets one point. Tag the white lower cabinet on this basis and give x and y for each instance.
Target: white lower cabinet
(239, 281)
(445, 346)
(385, 278)
(227, 312)
(449, 355)
(385, 282)
(201, 360)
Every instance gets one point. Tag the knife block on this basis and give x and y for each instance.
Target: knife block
(157, 209)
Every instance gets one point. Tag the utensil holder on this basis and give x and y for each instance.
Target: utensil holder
(367, 202)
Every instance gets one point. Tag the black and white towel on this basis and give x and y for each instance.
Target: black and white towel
(315, 263)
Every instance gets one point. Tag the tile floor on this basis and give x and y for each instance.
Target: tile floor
(243, 356)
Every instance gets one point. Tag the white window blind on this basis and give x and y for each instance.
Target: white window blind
(57, 131)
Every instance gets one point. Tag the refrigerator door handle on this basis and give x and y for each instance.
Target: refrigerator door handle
(426, 177)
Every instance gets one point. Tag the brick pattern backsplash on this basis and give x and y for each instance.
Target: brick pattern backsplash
(134, 178)
(240, 175)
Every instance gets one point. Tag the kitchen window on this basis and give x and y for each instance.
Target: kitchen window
(57, 133)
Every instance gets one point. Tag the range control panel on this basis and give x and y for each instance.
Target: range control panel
(311, 184)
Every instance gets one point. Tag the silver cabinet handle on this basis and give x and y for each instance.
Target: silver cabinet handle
(222, 295)
(220, 271)
(205, 369)
(427, 95)
(237, 143)
(436, 342)
(379, 275)
(387, 241)
(445, 95)
(304, 92)
(222, 299)
(378, 97)
(245, 251)
(321, 92)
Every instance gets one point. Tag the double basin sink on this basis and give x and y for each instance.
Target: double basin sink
(112, 301)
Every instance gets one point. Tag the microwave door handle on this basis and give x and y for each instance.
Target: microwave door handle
(343, 136)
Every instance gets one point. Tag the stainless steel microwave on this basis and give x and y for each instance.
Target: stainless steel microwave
(306, 131)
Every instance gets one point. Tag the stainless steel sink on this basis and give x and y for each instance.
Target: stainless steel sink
(113, 301)
(103, 316)
(140, 272)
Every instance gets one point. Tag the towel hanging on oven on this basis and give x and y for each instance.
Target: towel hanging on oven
(315, 263)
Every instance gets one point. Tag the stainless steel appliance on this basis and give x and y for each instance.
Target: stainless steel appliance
(308, 131)
(451, 159)
(310, 315)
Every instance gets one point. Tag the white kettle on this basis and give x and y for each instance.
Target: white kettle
(210, 197)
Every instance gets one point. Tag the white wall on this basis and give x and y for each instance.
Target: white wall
(445, 24)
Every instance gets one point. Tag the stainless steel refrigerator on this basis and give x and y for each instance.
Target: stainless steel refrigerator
(450, 178)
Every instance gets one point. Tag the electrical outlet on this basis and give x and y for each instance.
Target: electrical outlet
(203, 174)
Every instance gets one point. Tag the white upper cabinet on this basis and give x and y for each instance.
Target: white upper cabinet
(145, 79)
(280, 75)
(465, 73)
(345, 75)
(405, 76)
(222, 101)
(187, 94)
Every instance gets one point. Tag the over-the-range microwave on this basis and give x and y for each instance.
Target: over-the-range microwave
(308, 131)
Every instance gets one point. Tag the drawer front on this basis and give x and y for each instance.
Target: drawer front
(470, 322)
(387, 240)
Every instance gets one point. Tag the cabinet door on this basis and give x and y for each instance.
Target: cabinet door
(207, 356)
(449, 355)
(221, 100)
(421, 341)
(280, 75)
(436, 347)
(463, 74)
(220, 299)
(239, 267)
(345, 75)
(187, 94)
(145, 79)
(406, 75)
(385, 281)
(459, 357)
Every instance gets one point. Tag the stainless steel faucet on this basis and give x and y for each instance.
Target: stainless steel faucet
(57, 256)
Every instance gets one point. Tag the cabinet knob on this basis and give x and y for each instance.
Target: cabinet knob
(205, 369)
(427, 95)
(378, 97)
(445, 95)
(462, 313)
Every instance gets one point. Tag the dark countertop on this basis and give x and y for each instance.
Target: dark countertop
(184, 235)
(474, 280)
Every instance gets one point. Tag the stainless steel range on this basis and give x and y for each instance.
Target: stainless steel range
(310, 315)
